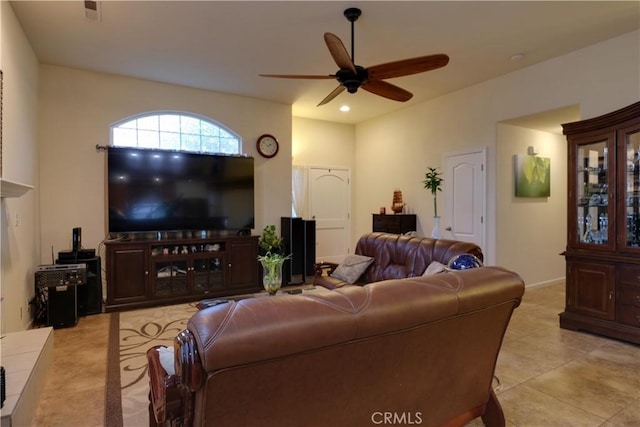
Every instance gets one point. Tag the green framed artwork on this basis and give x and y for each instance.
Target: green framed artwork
(532, 176)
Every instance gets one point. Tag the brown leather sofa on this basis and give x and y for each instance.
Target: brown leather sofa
(413, 351)
(396, 257)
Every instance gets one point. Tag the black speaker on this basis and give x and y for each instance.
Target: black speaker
(62, 310)
(309, 249)
(292, 232)
(300, 241)
(90, 293)
(77, 239)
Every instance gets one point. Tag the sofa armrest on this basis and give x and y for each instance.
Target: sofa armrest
(189, 370)
(165, 403)
(325, 268)
(188, 364)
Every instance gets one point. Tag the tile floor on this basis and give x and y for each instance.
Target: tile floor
(549, 376)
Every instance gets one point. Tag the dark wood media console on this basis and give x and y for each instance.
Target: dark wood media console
(145, 273)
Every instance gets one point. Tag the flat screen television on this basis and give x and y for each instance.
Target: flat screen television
(157, 190)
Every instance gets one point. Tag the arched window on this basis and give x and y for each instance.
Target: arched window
(175, 131)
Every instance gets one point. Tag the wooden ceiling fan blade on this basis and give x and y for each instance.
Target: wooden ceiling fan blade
(407, 67)
(339, 52)
(297, 76)
(337, 91)
(387, 90)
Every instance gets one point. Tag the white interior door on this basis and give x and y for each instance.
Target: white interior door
(330, 206)
(464, 190)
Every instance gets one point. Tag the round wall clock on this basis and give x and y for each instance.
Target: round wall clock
(267, 146)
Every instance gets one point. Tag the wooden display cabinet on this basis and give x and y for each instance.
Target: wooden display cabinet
(396, 224)
(603, 227)
(147, 273)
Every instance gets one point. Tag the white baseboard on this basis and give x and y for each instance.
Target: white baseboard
(546, 283)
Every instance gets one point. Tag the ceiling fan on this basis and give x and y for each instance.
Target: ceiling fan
(352, 77)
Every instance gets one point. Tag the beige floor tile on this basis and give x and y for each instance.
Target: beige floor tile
(596, 385)
(523, 359)
(524, 406)
(629, 416)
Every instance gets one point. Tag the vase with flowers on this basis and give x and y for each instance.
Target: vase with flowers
(271, 259)
(433, 183)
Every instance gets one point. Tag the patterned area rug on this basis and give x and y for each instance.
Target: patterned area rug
(138, 331)
(131, 334)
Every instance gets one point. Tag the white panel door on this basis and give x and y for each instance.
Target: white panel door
(464, 197)
(330, 206)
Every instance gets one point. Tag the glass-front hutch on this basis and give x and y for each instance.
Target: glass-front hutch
(603, 228)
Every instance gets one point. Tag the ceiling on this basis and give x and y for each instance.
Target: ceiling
(223, 46)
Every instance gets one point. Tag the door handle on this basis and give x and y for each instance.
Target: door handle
(448, 228)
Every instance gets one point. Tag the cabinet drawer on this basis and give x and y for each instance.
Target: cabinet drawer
(628, 295)
(629, 275)
(628, 314)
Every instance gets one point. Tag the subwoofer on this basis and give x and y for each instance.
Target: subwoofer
(90, 293)
(62, 305)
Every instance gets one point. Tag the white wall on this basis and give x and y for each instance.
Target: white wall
(320, 143)
(531, 232)
(76, 110)
(395, 150)
(20, 232)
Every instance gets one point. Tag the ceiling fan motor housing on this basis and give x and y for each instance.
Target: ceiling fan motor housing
(352, 81)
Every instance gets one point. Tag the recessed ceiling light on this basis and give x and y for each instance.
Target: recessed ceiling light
(344, 108)
(517, 56)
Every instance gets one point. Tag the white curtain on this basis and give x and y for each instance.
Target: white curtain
(299, 188)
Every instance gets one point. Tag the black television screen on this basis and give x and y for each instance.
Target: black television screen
(158, 190)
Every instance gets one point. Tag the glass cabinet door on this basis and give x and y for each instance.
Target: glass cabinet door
(594, 179)
(629, 219)
(208, 273)
(170, 276)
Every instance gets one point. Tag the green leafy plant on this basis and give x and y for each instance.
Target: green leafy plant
(433, 181)
(270, 261)
(269, 241)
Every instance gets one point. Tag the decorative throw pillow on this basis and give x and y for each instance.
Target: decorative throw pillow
(434, 268)
(351, 268)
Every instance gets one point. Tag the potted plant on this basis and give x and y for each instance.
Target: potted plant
(269, 240)
(433, 182)
(271, 259)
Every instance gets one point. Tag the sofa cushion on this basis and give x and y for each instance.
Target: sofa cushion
(351, 268)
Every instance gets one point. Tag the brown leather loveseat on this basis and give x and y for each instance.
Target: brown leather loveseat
(396, 257)
(418, 351)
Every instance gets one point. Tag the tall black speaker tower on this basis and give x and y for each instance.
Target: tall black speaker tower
(309, 249)
(300, 241)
